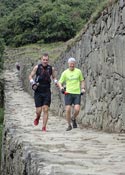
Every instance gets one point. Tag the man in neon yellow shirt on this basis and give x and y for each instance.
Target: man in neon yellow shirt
(74, 81)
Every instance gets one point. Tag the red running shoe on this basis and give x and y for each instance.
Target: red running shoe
(43, 128)
(36, 121)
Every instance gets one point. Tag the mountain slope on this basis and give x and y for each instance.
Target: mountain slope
(43, 21)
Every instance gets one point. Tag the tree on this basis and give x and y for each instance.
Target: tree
(29, 21)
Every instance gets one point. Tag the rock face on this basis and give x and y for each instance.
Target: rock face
(26, 150)
(100, 55)
(1, 90)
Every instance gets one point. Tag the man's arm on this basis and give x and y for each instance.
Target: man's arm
(83, 86)
(33, 73)
(60, 86)
(61, 81)
(54, 76)
(32, 82)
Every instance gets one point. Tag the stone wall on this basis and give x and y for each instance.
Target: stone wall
(1, 90)
(100, 55)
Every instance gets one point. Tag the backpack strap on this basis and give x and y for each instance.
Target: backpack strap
(39, 69)
(49, 70)
(43, 71)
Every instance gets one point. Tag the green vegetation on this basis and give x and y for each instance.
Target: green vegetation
(36, 50)
(43, 21)
(100, 9)
(47, 23)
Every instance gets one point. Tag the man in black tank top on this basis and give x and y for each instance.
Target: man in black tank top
(41, 86)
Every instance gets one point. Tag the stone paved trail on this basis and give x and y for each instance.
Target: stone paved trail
(57, 152)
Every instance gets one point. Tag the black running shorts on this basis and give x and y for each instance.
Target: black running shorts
(42, 99)
(72, 99)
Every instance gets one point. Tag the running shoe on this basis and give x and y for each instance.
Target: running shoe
(69, 128)
(74, 124)
(36, 121)
(43, 128)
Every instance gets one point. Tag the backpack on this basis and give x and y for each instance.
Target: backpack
(43, 74)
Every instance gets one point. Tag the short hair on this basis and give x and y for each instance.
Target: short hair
(46, 55)
(71, 60)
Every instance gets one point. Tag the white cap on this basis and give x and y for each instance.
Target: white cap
(71, 60)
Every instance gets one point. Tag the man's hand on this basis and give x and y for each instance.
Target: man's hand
(56, 82)
(82, 91)
(63, 90)
(34, 84)
(32, 81)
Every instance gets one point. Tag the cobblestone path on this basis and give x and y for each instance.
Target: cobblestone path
(58, 152)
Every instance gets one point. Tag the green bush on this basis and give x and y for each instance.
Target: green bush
(31, 21)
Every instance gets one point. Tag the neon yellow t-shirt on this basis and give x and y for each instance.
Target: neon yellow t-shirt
(72, 79)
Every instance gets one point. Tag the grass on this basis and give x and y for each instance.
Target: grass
(35, 51)
(99, 11)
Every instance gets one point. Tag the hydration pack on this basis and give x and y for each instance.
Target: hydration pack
(43, 74)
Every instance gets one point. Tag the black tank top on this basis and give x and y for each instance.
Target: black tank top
(43, 77)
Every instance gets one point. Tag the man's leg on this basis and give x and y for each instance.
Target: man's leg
(38, 114)
(45, 109)
(76, 110)
(75, 114)
(68, 117)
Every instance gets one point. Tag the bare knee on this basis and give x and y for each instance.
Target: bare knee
(45, 109)
(77, 109)
(38, 111)
(68, 109)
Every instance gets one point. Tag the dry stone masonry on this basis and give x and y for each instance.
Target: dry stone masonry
(100, 53)
(26, 150)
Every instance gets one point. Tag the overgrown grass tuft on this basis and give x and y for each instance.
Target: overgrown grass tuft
(105, 4)
(99, 11)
